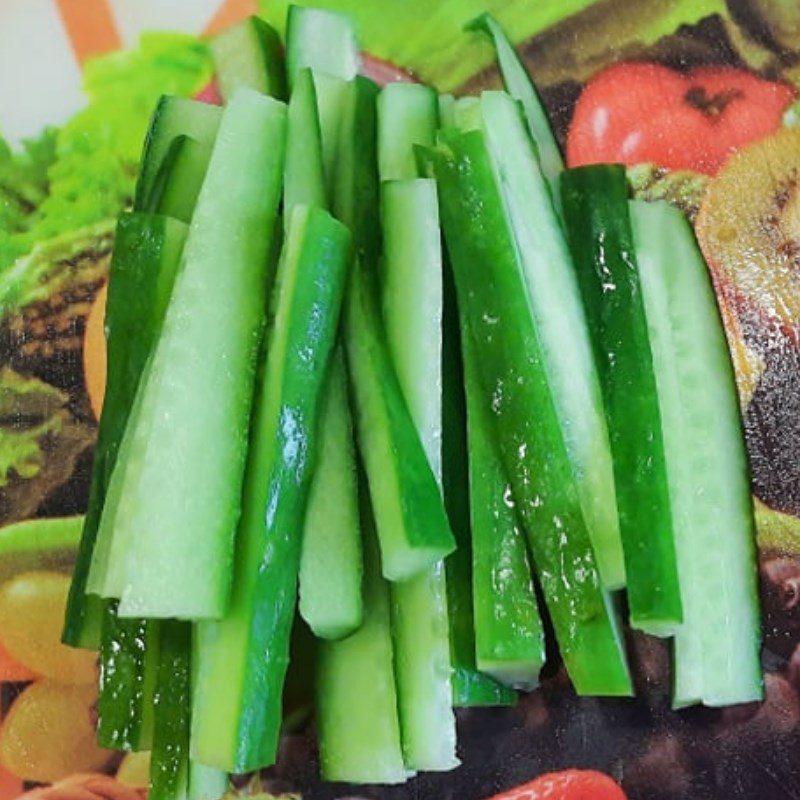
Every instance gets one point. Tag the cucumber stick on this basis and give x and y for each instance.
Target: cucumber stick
(321, 40)
(128, 669)
(470, 687)
(359, 732)
(146, 256)
(243, 658)
(509, 637)
(412, 314)
(595, 203)
(330, 564)
(304, 178)
(493, 296)
(717, 651)
(208, 344)
(249, 54)
(173, 117)
(520, 86)
(169, 759)
(178, 181)
(408, 115)
(561, 329)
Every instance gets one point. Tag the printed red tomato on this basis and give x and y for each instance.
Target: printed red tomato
(210, 93)
(571, 784)
(636, 113)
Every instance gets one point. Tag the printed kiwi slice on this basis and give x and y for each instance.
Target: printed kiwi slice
(749, 229)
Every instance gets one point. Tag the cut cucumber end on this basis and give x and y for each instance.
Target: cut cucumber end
(522, 675)
(249, 54)
(322, 40)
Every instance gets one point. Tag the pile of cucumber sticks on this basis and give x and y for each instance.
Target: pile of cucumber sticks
(314, 394)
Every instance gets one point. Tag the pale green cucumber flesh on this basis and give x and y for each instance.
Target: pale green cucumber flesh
(304, 175)
(249, 54)
(356, 690)
(208, 345)
(408, 115)
(706, 465)
(321, 40)
(331, 562)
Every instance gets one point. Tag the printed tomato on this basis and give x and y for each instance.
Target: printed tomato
(639, 113)
(571, 784)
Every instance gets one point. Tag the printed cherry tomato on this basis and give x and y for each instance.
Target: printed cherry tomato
(637, 113)
(571, 784)
(31, 616)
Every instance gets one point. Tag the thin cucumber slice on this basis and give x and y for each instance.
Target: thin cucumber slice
(493, 296)
(321, 40)
(331, 563)
(129, 658)
(408, 115)
(249, 54)
(509, 637)
(520, 86)
(595, 202)
(561, 329)
(169, 759)
(174, 116)
(243, 657)
(470, 687)
(198, 395)
(178, 181)
(304, 175)
(146, 256)
(412, 305)
(706, 464)
(356, 690)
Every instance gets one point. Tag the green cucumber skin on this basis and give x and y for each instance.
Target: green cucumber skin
(408, 115)
(143, 268)
(179, 179)
(304, 173)
(493, 297)
(521, 87)
(243, 658)
(509, 636)
(249, 54)
(331, 566)
(356, 691)
(470, 687)
(169, 760)
(321, 40)
(706, 463)
(595, 202)
(128, 670)
(199, 351)
(561, 327)
(174, 116)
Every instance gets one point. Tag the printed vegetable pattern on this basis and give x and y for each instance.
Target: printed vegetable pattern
(723, 84)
